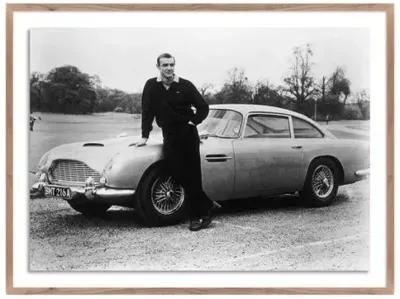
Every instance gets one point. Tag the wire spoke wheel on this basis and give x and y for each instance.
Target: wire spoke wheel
(322, 181)
(166, 195)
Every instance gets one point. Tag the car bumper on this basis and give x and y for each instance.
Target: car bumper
(362, 173)
(102, 193)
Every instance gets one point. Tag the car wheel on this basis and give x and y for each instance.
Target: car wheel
(90, 209)
(321, 184)
(160, 200)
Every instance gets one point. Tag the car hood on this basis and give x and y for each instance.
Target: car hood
(97, 153)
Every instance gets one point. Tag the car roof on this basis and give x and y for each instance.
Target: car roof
(248, 108)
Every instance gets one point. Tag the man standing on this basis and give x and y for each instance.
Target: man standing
(32, 120)
(169, 99)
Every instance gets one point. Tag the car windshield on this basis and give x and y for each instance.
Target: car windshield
(221, 123)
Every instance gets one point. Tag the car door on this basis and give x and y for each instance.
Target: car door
(267, 158)
(217, 165)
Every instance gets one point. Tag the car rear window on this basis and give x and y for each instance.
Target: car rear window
(303, 129)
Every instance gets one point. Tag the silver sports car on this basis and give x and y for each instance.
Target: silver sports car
(246, 151)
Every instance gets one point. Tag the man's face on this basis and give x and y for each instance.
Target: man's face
(167, 67)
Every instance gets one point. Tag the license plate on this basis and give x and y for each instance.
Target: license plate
(61, 192)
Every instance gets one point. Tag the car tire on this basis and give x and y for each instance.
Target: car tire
(160, 201)
(321, 185)
(90, 209)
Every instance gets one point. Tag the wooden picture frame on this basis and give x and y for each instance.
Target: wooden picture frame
(387, 9)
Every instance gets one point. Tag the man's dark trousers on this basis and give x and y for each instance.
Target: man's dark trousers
(182, 153)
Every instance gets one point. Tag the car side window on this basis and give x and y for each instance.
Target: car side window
(303, 129)
(267, 126)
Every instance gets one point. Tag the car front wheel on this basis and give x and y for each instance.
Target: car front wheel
(321, 184)
(160, 200)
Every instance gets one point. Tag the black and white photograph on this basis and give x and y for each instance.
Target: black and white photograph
(199, 149)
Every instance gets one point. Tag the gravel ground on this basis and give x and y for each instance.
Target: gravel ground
(270, 234)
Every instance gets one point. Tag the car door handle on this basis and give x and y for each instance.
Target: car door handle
(297, 146)
(217, 158)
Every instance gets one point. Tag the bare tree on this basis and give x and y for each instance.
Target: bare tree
(300, 82)
(237, 77)
(236, 89)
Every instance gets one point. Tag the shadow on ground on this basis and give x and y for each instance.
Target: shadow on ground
(126, 218)
(283, 202)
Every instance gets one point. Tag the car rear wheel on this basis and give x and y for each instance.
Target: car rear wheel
(321, 184)
(90, 209)
(160, 200)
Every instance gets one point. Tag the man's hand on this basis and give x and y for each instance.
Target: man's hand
(142, 142)
(190, 123)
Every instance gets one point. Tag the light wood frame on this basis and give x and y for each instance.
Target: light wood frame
(388, 9)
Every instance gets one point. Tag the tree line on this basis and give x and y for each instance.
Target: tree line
(66, 89)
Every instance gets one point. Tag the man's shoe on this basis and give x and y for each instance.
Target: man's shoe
(195, 224)
(206, 220)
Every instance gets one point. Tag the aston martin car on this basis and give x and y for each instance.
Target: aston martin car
(246, 151)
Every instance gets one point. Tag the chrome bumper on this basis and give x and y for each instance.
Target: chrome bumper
(362, 172)
(91, 193)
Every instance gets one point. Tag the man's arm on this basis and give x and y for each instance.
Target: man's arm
(200, 104)
(147, 114)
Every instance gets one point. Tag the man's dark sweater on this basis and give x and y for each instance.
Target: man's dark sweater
(172, 107)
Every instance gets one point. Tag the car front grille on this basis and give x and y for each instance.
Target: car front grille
(71, 172)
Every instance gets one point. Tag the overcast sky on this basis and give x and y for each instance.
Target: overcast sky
(125, 58)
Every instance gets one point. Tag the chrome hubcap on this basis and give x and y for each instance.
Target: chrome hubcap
(322, 181)
(166, 195)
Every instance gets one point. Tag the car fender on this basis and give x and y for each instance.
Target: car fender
(352, 156)
(126, 168)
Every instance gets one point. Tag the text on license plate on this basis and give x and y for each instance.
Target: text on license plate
(57, 192)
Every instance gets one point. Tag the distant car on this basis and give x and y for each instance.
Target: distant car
(246, 151)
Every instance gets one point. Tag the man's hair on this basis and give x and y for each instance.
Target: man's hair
(164, 55)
